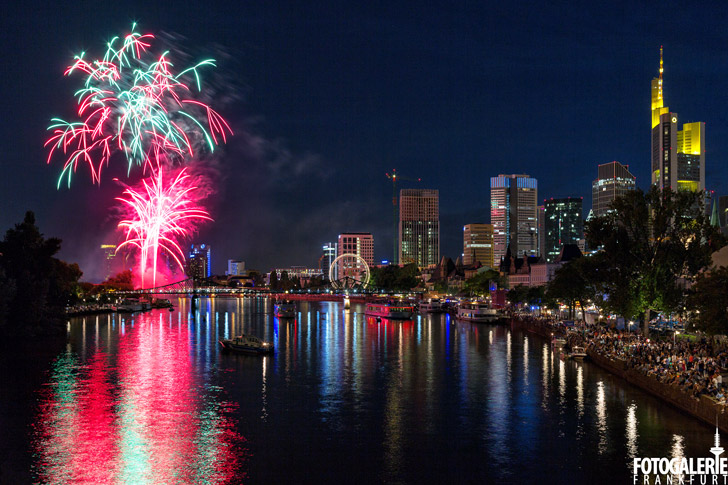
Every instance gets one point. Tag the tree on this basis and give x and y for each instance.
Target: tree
(42, 284)
(652, 243)
(395, 278)
(479, 284)
(709, 296)
(517, 295)
(273, 285)
(570, 285)
(120, 281)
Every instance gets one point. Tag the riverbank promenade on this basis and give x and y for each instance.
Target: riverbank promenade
(687, 373)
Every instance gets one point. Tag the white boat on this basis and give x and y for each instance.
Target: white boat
(433, 305)
(473, 311)
(390, 311)
(578, 353)
(285, 309)
(247, 344)
(558, 341)
(130, 305)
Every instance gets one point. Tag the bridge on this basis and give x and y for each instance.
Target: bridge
(189, 287)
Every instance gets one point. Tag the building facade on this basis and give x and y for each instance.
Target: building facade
(235, 268)
(419, 227)
(513, 214)
(613, 180)
(358, 243)
(202, 254)
(563, 225)
(328, 256)
(478, 244)
(678, 156)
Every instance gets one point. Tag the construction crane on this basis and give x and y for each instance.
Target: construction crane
(394, 176)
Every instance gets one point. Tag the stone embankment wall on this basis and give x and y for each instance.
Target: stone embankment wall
(704, 408)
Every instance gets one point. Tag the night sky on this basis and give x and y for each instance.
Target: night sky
(325, 98)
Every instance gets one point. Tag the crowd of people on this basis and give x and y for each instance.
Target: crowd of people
(694, 364)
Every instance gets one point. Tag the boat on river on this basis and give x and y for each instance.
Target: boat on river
(286, 309)
(433, 305)
(248, 344)
(389, 311)
(131, 305)
(474, 311)
(578, 353)
(557, 341)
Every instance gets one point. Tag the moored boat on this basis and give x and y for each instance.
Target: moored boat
(433, 305)
(285, 309)
(557, 341)
(246, 344)
(473, 311)
(130, 305)
(390, 311)
(578, 353)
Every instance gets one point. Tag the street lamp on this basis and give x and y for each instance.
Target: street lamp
(674, 334)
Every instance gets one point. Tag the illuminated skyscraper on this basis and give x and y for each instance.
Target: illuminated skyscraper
(202, 256)
(359, 243)
(613, 180)
(328, 257)
(678, 156)
(419, 227)
(513, 215)
(235, 268)
(563, 223)
(478, 244)
(541, 230)
(109, 251)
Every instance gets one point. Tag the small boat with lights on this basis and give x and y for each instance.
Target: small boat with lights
(130, 305)
(433, 305)
(389, 311)
(285, 309)
(479, 312)
(557, 341)
(578, 353)
(246, 344)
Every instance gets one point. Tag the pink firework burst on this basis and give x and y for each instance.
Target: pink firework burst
(160, 213)
(134, 103)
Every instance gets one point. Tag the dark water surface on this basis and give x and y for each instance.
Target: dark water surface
(149, 398)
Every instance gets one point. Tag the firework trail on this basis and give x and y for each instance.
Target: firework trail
(136, 106)
(134, 103)
(159, 213)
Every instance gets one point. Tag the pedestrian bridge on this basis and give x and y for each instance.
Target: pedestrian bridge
(188, 287)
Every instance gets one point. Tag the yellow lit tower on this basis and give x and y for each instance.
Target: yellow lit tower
(658, 107)
(678, 156)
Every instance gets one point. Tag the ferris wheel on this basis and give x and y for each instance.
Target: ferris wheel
(349, 271)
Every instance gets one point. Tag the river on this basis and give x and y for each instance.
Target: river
(150, 398)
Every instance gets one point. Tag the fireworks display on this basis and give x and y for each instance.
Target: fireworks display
(160, 213)
(132, 103)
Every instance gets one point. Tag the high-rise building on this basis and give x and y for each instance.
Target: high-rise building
(513, 215)
(613, 180)
(202, 253)
(678, 156)
(563, 223)
(478, 244)
(109, 251)
(235, 268)
(691, 157)
(328, 257)
(358, 243)
(419, 227)
(723, 210)
(541, 229)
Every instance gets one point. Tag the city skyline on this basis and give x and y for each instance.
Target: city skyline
(334, 97)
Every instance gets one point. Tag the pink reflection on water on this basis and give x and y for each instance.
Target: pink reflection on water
(148, 417)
